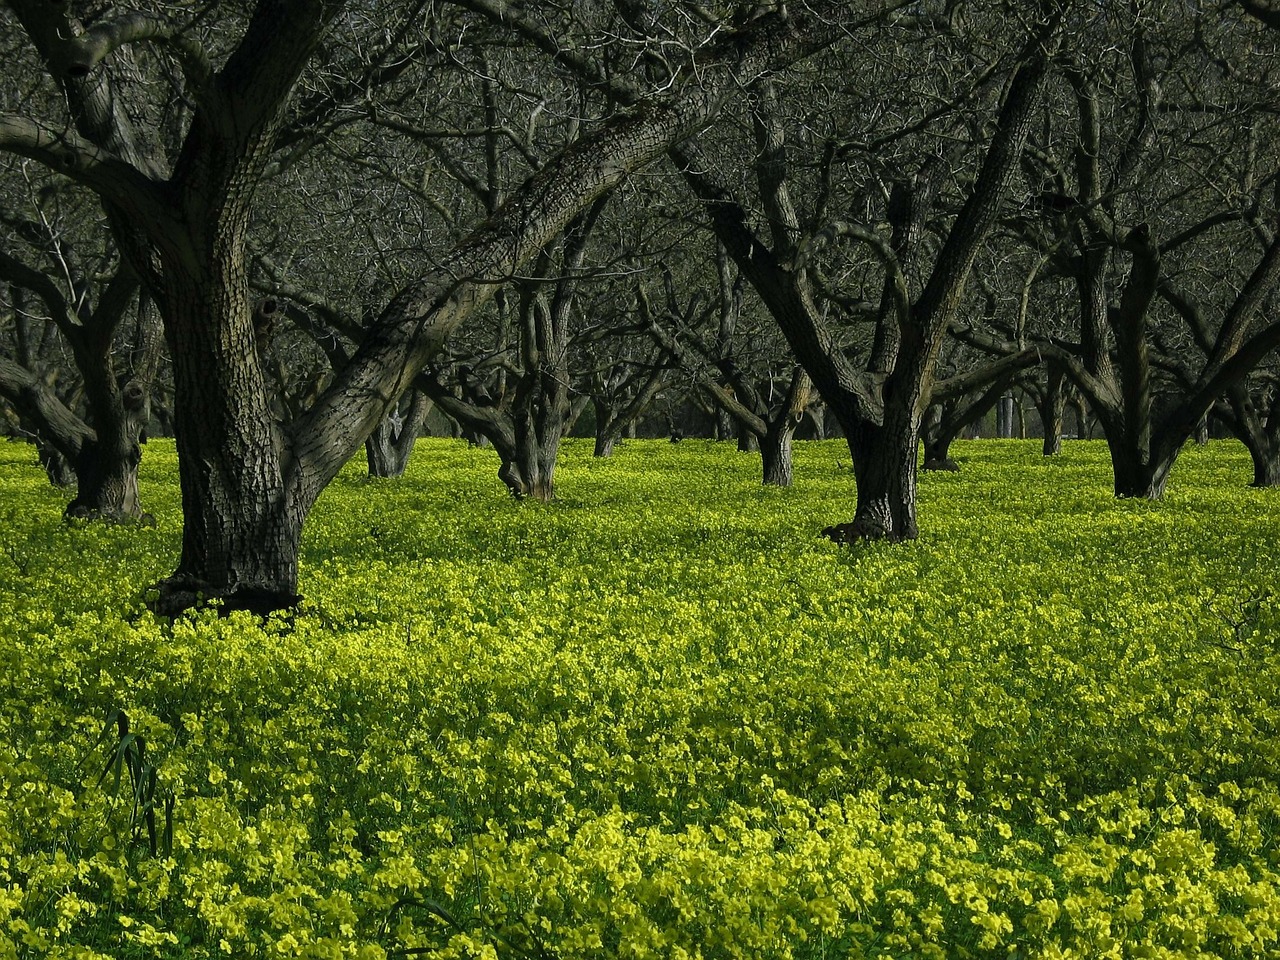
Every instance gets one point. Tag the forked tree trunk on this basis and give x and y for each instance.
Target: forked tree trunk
(529, 468)
(388, 448)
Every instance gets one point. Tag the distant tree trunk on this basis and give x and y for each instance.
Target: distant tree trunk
(388, 448)
(1266, 465)
(1052, 403)
(780, 431)
(56, 467)
(1260, 433)
(107, 467)
(938, 432)
(947, 418)
(609, 425)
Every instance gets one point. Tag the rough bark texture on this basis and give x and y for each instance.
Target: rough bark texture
(884, 466)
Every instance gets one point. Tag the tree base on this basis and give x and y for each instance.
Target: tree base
(862, 532)
(76, 511)
(177, 595)
(944, 464)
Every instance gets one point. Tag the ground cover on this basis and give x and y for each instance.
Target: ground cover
(660, 718)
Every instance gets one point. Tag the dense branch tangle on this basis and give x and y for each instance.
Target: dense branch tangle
(249, 481)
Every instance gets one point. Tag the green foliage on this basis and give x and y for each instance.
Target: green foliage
(660, 718)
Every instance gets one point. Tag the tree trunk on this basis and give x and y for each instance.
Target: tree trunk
(1266, 465)
(884, 468)
(1202, 430)
(107, 466)
(1052, 404)
(528, 470)
(938, 434)
(1137, 478)
(242, 522)
(1139, 470)
(775, 450)
(1260, 434)
(388, 448)
(56, 467)
(607, 427)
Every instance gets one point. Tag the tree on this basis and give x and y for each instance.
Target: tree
(1162, 341)
(90, 431)
(878, 399)
(768, 404)
(248, 481)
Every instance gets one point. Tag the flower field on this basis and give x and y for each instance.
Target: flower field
(660, 718)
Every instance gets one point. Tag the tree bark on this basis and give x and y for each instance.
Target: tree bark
(1052, 405)
(885, 470)
(388, 448)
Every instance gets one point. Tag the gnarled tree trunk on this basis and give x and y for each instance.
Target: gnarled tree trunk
(387, 449)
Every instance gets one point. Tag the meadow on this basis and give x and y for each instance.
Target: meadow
(660, 718)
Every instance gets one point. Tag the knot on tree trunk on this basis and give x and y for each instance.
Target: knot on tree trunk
(265, 317)
(133, 396)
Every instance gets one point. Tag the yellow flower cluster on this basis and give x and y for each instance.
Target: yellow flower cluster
(660, 719)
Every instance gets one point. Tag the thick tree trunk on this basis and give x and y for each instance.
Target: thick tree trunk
(528, 470)
(242, 521)
(1140, 477)
(884, 465)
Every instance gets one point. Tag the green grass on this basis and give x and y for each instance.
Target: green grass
(659, 718)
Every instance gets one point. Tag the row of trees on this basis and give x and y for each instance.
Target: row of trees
(290, 228)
